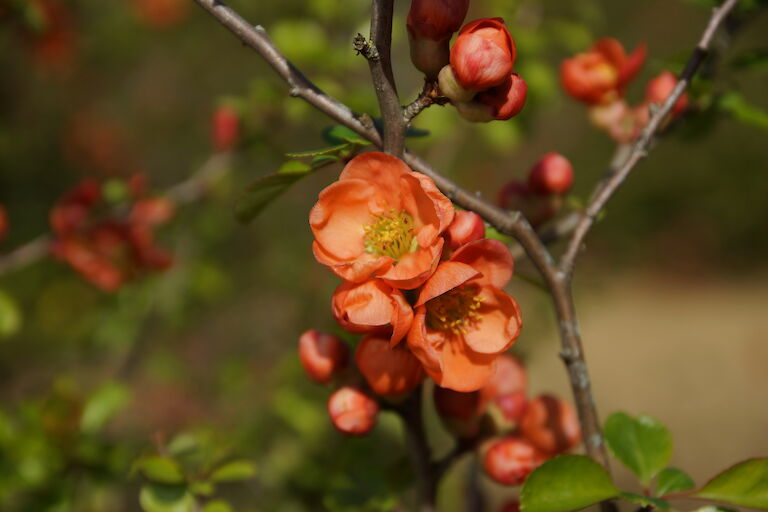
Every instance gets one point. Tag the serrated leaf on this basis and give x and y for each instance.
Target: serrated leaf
(166, 498)
(735, 104)
(645, 501)
(567, 482)
(160, 469)
(321, 160)
(318, 152)
(234, 471)
(339, 134)
(260, 193)
(642, 444)
(103, 405)
(673, 480)
(744, 484)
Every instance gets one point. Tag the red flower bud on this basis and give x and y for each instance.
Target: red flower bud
(506, 100)
(551, 425)
(431, 23)
(72, 210)
(510, 460)
(152, 211)
(513, 195)
(226, 128)
(352, 411)
(510, 377)
(512, 405)
(466, 227)
(160, 13)
(659, 89)
(483, 55)
(388, 370)
(322, 355)
(3, 222)
(552, 174)
(602, 74)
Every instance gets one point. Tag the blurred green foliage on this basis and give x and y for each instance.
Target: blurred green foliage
(203, 355)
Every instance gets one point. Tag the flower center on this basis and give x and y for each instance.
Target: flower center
(390, 234)
(455, 310)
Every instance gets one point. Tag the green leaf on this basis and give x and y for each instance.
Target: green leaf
(744, 484)
(294, 167)
(642, 444)
(321, 160)
(754, 60)
(10, 316)
(166, 498)
(673, 480)
(202, 488)
(318, 152)
(234, 471)
(735, 104)
(160, 469)
(264, 190)
(567, 482)
(103, 405)
(217, 506)
(645, 501)
(338, 134)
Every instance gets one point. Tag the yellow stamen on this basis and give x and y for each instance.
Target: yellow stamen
(390, 234)
(455, 310)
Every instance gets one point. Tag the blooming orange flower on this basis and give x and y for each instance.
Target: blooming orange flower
(380, 219)
(372, 306)
(601, 74)
(463, 319)
(389, 371)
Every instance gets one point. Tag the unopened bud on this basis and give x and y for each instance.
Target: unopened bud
(506, 100)
(451, 88)
(551, 425)
(389, 371)
(465, 228)
(510, 460)
(483, 55)
(322, 355)
(352, 412)
(552, 174)
(225, 127)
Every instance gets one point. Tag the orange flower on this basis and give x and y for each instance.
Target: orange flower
(380, 219)
(463, 319)
(389, 371)
(601, 74)
(372, 306)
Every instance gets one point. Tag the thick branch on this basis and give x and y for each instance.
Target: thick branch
(640, 148)
(383, 78)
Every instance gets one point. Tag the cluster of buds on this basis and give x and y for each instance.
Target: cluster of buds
(105, 244)
(422, 284)
(599, 78)
(541, 196)
(476, 74)
(523, 434)
(47, 29)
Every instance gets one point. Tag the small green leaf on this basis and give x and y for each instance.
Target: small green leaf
(642, 444)
(166, 498)
(318, 152)
(103, 405)
(10, 316)
(673, 480)
(645, 501)
(294, 167)
(160, 469)
(338, 134)
(321, 160)
(567, 482)
(735, 104)
(234, 471)
(217, 506)
(744, 484)
(264, 190)
(202, 488)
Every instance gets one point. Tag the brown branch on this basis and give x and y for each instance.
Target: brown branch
(384, 80)
(641, 145)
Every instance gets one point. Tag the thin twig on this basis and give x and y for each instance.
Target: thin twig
(643, 142)
(384, 80)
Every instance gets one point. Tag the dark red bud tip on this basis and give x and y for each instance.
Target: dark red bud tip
(352, 411)
(510, 460)
(225, 128)
(466, 227)
(660, 88)
(553, 174)
(3, 222)
(551, 425)
(322, 355)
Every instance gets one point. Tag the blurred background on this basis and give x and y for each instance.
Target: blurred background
(199, 358)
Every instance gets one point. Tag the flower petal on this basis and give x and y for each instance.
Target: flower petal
(498, 325)
(339, 216)
(402, 317)
(380, 169)
(489, 257)
(425, 344)
(414, 268)
(463, 369)
(449, 275)
(356, 271)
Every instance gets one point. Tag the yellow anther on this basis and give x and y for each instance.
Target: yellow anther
(390, 234)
